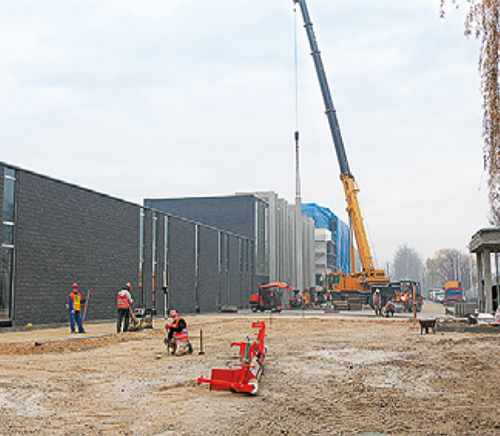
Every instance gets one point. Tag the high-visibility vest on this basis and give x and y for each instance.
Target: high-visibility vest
(183, 334)
(122, 301)
(76, 299)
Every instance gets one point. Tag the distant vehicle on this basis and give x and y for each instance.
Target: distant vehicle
(269, 297)
(453, 292)
(436, 295)
(439, 296)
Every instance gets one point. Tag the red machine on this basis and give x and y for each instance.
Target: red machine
(245, 378)
(269, 297)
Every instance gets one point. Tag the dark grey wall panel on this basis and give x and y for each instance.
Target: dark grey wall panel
(209, 270)
(160, 257)
(146, 294)
(246, 273)
(67, 234)
(235, 214)
(225, 276)
(234, 273)
(2, 175)
(182, 276)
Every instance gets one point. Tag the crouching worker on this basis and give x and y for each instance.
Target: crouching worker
(177, 339)
(389, 309)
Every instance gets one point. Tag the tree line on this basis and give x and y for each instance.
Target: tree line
(446, 264)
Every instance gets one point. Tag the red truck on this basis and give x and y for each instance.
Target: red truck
(453, 292)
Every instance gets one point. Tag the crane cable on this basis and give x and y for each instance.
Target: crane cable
(296, 78)
(296, 67)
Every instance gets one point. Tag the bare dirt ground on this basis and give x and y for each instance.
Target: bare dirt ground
(325, 374)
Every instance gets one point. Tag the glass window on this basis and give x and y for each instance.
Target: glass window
(9, 172)
(7, 250)
(8, 234)
(7, 255)
(9, 200)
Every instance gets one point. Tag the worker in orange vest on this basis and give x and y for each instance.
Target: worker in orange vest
(177, 339)
(389, 309)
(123, 302)
(74, 305)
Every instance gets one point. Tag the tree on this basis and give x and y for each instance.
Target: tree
(449, 264)
(483, 20)
(407, 264)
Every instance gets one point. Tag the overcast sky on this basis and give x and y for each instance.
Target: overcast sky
(177, 98)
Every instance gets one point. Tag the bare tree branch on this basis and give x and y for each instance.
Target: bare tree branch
(483, 21)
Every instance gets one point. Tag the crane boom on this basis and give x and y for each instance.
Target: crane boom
(348, 183)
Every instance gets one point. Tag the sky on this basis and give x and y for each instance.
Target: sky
(187, 98)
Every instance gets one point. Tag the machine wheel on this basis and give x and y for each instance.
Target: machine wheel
(409, 305)
(253, 382)
(254, 309)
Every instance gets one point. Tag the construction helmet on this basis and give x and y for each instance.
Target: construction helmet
(74, 285)
(128, 285)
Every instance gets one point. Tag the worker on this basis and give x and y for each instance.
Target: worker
(389, 309)
(377, 302)
(123, 304)
(74, 305)
(177, 339)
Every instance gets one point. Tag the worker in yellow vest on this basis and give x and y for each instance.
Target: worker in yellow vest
(123, 302)
(177, 339)
(74, 305)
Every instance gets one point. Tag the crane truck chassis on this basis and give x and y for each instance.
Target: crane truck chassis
(401, 293)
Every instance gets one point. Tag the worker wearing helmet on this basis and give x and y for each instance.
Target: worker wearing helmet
(389, 308)
(74, 305)
(377, 302)
(177, 339)
(123, 303)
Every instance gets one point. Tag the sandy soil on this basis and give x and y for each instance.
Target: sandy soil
(325, 374)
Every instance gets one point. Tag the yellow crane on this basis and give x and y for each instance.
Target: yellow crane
(368, 277)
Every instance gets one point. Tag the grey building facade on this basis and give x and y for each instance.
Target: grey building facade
(264, 218)
(282, 244)
(244, 214)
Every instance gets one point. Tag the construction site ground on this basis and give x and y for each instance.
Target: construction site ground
(325, 374)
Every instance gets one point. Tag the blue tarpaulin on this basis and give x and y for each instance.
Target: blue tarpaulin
(326, 219)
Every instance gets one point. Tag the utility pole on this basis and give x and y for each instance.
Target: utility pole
(298, 220)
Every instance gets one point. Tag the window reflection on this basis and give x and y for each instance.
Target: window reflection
(7, 250)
